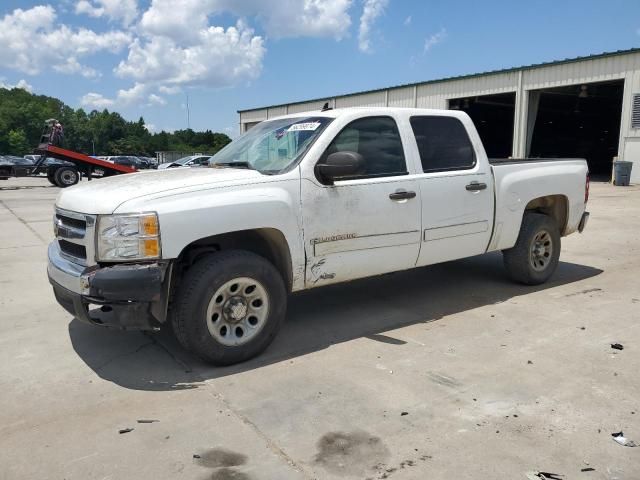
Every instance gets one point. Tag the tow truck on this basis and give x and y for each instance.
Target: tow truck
(74, 165)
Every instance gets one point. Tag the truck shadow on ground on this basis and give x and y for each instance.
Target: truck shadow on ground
(316, 320)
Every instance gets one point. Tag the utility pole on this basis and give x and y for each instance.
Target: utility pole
(188, 113)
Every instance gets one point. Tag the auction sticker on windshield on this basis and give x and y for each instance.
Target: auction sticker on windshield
(308, 126)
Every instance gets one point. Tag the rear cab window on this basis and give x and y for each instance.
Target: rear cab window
(443, 144)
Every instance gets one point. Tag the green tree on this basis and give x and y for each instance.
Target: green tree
(22, 117)
(18, 144)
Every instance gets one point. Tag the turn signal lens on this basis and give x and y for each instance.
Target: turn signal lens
(150, 247)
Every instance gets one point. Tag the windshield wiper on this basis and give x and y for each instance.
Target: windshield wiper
(235, 165)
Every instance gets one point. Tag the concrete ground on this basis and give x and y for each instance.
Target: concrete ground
(443, 372)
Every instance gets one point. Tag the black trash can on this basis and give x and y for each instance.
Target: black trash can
(622, 173)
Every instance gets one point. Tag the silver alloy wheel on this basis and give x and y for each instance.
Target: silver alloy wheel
(541, 250)
(68, 177)
(237, 311)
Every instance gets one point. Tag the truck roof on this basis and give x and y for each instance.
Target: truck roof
(338, 112)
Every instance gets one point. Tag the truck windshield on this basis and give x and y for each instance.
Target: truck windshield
(272, 146)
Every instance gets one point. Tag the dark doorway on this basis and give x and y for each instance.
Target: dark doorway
(493, 116)
(581, 121)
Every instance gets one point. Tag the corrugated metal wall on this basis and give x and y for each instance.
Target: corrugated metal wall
(309, 106)
(437, 94)
(402, 97)
(373, 99)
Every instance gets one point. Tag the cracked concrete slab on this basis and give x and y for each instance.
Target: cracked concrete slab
(443, 372)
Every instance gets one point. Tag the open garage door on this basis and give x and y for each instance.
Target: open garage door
(493, 116)
(580, 121)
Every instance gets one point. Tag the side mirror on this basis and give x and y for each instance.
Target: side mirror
(340, 165)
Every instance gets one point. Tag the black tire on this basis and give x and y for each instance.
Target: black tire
(529, 261)
(66, 177)
(197, 289)
(51, 177)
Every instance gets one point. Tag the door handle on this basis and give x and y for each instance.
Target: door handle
(402, 195)
(476, 186)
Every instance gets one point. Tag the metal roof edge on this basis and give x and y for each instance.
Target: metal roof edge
(532, 66)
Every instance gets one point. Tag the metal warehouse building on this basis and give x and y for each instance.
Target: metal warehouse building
(587, 107)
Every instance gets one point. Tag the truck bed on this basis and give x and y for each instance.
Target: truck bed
(517, 181)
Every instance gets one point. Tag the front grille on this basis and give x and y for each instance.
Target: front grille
(72, 222)
(75, 234)
(73, 249)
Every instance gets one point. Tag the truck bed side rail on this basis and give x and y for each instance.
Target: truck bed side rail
(511, 161)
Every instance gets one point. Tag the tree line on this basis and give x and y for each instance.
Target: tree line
(22, 117)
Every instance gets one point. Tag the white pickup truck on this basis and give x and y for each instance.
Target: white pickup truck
(298, 202)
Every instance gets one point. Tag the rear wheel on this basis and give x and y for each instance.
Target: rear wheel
(66, 177)
(229, 307)
(535, 255)
(51, 177)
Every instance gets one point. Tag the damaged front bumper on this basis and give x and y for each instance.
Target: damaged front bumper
(125, 296)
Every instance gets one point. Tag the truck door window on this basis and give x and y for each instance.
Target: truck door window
(443, 144)
(375, 138)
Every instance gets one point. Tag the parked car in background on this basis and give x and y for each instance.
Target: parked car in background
(152, 161)
(191, 161)
(8, 162)
(130, 161)
(14, 160)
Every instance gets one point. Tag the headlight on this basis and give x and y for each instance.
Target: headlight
(128, 237)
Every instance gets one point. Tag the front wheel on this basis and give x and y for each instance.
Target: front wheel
(229, 307)
(535, 256)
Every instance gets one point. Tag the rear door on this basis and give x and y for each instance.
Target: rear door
(367, 225)
(456, 189)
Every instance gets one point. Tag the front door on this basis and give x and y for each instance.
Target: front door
(368, 225)
(456, 190)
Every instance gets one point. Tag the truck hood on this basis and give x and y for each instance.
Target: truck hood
(103, 196)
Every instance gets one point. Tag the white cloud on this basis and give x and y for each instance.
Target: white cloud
(21, 84)
(217, 58)
(182, 20)
(434, 39)
(32, 42)
(169, 90)
(156, 100)
(174, 45)
(96, 100)
(287, 18)
(124, 11)
(151, 128)
(372, 10)
(124, 98)
(132, 95)
(71, 66)
(407, 21)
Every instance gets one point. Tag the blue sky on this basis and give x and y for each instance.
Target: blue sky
(143, 57)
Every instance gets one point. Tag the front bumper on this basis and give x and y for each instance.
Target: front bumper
(128, 296)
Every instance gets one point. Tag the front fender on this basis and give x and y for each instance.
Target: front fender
(187, 217)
